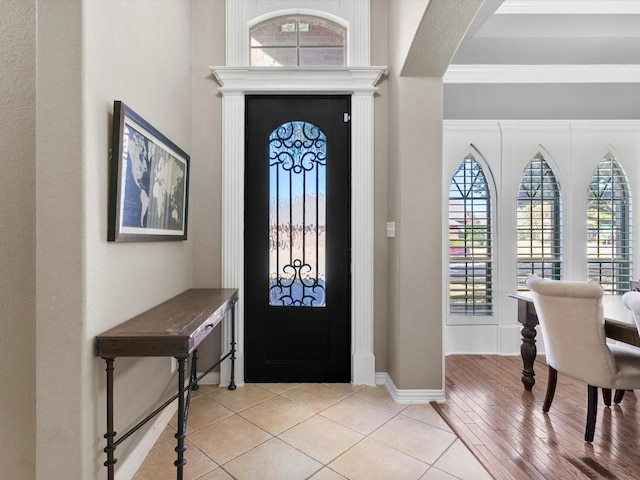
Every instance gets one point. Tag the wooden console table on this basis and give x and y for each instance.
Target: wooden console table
(174, 328)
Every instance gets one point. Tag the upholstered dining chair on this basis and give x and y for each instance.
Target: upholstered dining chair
(572, 324)
(631, 300)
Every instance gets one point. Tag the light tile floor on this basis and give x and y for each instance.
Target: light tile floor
(311, 431)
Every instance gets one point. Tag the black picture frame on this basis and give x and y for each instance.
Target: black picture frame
(149, 182)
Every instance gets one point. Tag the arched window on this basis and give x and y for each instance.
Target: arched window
(538, 222)
(470, 241)
(609, 227)
(298, 40)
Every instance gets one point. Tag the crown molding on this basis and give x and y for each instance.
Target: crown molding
(569, 7)
(542, 74)
(291, 79)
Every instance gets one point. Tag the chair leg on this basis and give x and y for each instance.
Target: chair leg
(606, 396)
(592, 412)
(618, 397)
(551, 389)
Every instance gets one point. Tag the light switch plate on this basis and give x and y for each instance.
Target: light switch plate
(391, 229)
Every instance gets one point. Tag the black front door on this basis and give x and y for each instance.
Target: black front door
(297, 240)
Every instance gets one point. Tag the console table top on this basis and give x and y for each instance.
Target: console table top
(172, 328)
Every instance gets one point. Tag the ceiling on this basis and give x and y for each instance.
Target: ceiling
(551, 41)
(547, 59)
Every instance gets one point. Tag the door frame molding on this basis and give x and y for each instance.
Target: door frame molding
(360, 83)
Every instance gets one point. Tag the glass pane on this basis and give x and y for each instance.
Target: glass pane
(277, 32)
(609, 227)
(320, 32)
(274, 57)
(470, 244)
(321, 56)
(538, 222)
(297, 215)
(298, 40)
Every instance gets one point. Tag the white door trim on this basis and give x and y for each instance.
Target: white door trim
(360, 83)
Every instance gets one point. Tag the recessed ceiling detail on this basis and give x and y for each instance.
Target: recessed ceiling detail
(551, 41)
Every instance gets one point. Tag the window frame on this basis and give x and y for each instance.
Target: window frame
(454, 258)
(556, 261)
(622, 266)
(298, 47)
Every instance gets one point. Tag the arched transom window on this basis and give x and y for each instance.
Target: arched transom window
(298, 40)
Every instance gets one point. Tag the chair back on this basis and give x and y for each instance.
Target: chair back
(631, 300)
(571, 318)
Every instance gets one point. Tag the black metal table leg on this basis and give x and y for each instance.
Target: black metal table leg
(110, 435)
(181, 433)
(232, 384)
(194, 377)
(118, 343)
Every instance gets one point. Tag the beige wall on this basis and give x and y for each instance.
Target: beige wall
(154, 56)
(17, 238)
(91, 53)
(415, 286)
(415, 204)
(208, 48)
(60, 376)
(379, 57)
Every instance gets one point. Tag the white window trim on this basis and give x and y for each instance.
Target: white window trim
(354, 14)
(572, 148)
(307, 13)
(297, 12)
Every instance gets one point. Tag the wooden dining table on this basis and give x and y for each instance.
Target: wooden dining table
(618, 324)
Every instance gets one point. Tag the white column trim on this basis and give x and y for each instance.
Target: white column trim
(232, 235)
(363, 360)
(360, 82)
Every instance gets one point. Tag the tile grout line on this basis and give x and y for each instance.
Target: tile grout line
(321, 413)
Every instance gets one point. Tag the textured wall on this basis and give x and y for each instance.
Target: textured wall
(380, 57)
(415, 204)
(17, 238)
(91, 53)
(208, 34)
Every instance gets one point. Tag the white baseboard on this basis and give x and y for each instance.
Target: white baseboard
(485, 340)
(408, 395)
(211, 378)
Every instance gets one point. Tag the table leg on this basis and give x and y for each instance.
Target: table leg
(232, 384)
(194, 369)
(528, 351)
(181, 433)
(110, 435)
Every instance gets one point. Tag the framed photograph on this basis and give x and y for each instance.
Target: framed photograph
(149, 182)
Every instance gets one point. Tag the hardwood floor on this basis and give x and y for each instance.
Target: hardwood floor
(504, 426)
